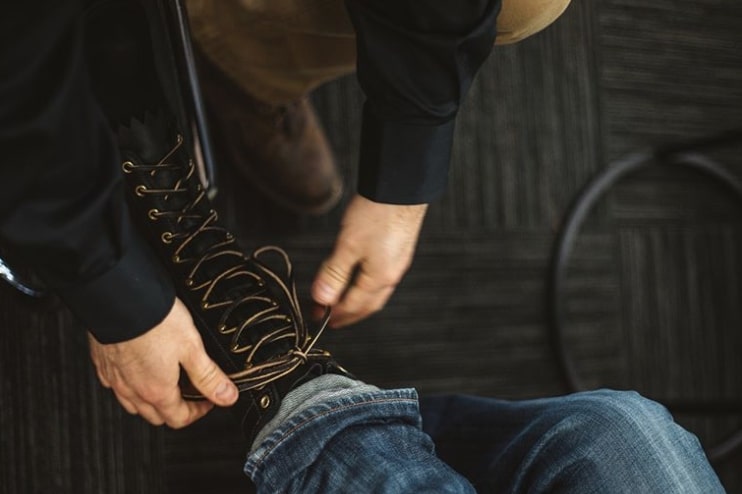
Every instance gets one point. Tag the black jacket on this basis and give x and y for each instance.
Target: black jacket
(62, 208)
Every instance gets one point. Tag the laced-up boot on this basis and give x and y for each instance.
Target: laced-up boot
(245, 306)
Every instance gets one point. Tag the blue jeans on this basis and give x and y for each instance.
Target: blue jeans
(383, 442)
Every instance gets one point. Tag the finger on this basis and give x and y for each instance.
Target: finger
(346, 317)
(318, 311)
(334, 276)
(208, 378)
(102, 378)
(97, 361)
(194, 411)
(178, 413)
(132, 401)
(149, 413)
(360, 302)
(125, 402)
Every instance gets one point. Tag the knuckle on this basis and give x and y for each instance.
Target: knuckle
(177, 422)
(208, 374)
(377, 305)
(390, 278)
(348, 244)
(184, 415)
(130, 409)
(126, 405)
(153, 395)
(370, 308)
(335, 273)
(191, 343)
(373, 281)
(104, 381)
(121, 389)
(113, 379)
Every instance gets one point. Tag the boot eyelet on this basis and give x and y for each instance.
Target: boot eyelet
(140, 190)
(153, 214)
(189, 282)
(205, 305)
(176, 259)
(265, 401)
(127, 166)
(167, 237)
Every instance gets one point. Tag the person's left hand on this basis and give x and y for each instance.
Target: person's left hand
(372, 253)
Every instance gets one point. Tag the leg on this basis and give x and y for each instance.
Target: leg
(594, 442)
(276, 50)
(519, 20)
(335, 435)
(259, 61)
(280, 50)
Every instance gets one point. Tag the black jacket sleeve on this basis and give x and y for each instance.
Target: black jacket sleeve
(416, 62)
(62, 209)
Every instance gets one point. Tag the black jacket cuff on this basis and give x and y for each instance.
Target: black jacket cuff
(127, 300)
(403, 163)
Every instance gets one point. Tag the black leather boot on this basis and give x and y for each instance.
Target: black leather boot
(245, 306)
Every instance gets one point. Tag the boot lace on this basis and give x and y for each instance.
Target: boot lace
(251, 316)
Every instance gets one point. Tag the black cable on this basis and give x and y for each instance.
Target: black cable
(674, 156)
(189, 72)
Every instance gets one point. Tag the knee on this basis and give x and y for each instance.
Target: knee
(623, 419)
(622, 442)
(520, 19)
(623, 411)
(617, 403)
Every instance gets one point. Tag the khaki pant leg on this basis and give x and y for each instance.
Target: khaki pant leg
(279, 50)
(520, 19)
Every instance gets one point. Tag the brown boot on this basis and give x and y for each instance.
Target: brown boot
(281, 149)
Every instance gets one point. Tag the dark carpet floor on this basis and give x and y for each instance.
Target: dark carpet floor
(655, 283)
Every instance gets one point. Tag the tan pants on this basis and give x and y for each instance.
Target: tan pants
(278, 50)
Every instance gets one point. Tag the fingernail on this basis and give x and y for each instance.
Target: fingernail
(226, 391)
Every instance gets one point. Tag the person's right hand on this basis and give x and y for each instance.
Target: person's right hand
(143, 372)
(373, 251)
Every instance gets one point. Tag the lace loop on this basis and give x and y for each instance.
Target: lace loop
(251, 318)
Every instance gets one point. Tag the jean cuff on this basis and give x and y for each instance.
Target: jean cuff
(295, 445)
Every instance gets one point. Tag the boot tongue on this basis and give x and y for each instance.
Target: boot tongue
(148, 138)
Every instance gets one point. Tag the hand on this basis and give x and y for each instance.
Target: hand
(378, 240)
(143, 372)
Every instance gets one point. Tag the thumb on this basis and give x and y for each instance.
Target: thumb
(333, 277)
(208, 378)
